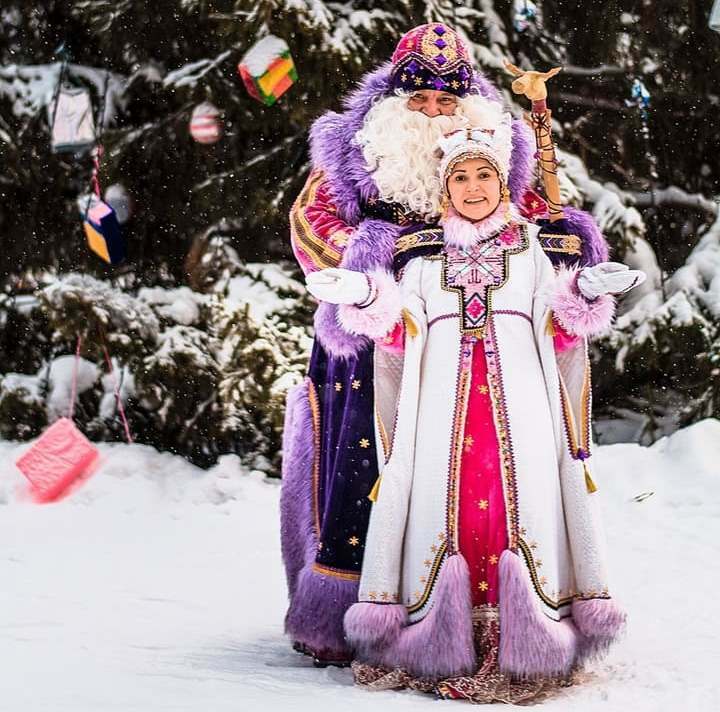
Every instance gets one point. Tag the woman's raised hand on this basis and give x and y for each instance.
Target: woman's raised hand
(608, 278)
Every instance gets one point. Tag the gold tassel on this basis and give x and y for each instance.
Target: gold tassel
(410, 326)
(375, 490)
(550, 328)
(591, 486)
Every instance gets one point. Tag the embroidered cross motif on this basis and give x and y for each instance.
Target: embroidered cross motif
(475, 272)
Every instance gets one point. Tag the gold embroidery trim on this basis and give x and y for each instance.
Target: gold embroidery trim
(530, 561)
(430, 583)
(315, 412)
(301, 231)
(337, 573)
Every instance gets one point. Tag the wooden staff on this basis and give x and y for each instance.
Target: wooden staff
(532, 85)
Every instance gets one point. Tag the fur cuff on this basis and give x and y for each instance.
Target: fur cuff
(531, 644)
(574, 313)
(375, 624)
(381, 316)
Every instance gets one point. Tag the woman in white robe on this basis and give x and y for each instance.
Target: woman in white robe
(483, 560)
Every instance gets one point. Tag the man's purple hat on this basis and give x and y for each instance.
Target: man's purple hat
(432, 57)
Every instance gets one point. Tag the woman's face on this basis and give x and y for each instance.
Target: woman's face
(474, 188)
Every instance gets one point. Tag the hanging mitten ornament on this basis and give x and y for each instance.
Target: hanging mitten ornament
(206, 124)
(268, 70)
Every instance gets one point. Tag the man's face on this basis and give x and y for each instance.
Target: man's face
(432, 102)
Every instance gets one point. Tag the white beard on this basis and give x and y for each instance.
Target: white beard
(399, 147)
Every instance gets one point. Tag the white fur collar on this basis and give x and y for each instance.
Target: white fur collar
(462, 233)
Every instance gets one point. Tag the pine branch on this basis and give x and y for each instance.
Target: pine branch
(675, 196)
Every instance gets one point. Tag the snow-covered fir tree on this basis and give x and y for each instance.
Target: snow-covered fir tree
(634, 116)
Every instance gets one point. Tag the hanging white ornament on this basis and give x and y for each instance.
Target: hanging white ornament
(73, 124)
(206, 124)
(117, 197)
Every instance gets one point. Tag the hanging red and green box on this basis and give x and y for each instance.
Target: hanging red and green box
(268, 70)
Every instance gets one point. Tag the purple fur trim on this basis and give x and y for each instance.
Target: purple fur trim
(484, 87)
(333, 148)
(522, 160)
(297, 536)
(441, 644)
(374, 624)
(531, 644)
(601, 621)
(379, 318)
(316, 612)
(574, 313)
(334, 339)
(370, 247)
(594, 246)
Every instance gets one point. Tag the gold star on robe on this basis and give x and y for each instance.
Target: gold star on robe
(493, 559)
(355, 384)
(338, 387)
(353, 541)
(469, 441)
(483, 389)
(364, 442)
(483, 586)
(483, 504)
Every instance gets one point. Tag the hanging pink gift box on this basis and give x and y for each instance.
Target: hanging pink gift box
(59, 456)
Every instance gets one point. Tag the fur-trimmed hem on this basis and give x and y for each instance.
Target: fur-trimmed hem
(315, 616)
(374, 624)
(379, 318)
(531, 644)
(577, 315)
(601, 621)
(441, 644)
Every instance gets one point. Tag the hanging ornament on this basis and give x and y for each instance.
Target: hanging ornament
(117, 197)
(73, 126)
(206, 125)
(268, 70)
(715, 16)
(524, 14)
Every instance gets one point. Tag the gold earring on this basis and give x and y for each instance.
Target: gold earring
(506, 202)
(444, 206)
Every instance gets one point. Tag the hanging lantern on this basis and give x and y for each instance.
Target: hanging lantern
(73, 125)
(102, 231)
(715, 16)
(120, 201)
(268, 70)
(206, 124)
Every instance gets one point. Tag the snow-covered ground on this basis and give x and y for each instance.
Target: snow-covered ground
(158, 586)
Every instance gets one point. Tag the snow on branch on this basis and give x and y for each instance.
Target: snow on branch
(675, 196)
(190, 74)
(31, 87)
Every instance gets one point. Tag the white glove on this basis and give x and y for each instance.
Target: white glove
(339, 286)
(608, 278)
